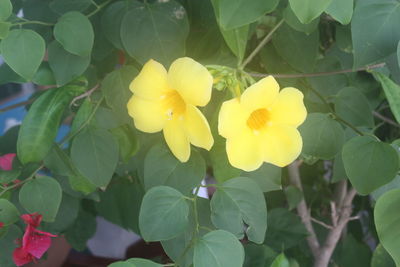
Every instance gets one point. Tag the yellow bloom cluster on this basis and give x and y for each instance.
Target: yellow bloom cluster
(260, 126)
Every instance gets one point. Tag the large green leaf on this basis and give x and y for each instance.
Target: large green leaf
(120, 204)
(8, 244)
(75, 33)
(392, 92)
(369, 163)
(82, 230)
(237, 202)
(95, 154)
(40, 126)
(394, 184)
(233, 14)
(65, 66)
(374, 30)
(268, 177)
(258, 255)
(218, 249)
(112, 19)
(295, 23)
(387, 219)
(341, 10)
(115, 87)
(163, 214)
(5, 9)
(353, 106)
(156, 31)
(127, 141)
(8, 212)
(23, 50)
(297, 48)
(285, 229)
(280, 261)
(322, 136)
(162, 168)
(381, 258)
(143, 262)
(307, 10)
(42, 195)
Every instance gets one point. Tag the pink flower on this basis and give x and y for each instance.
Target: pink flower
(1, 225)
(6, 161)
(34, 242)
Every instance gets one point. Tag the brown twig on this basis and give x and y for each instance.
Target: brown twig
(16, 105)
(318, 74)
(385, 119)
(85, 94)
(302, 210)
(321, 223)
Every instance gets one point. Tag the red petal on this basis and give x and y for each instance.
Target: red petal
(33, 219)
(21, 257)
(6, 161)
(1, 225)
(37, 244)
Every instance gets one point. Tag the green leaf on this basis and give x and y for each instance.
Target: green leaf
(5, 9)
(307, 10)
(162, 168)
(8, 212)
(42, 195)
(4, 29)
(237, 202)
(293, 196)
(75, 32)
(44, 75)
(386, 217)
(82, 230)
(23, 50)
(120, 204)
(143, 262)
(352, 253)
(323, 137)
(353, 106)
(95, 154)
(369, 163)
(374, 30)
(9, 176)
(341, 10)
(394, 184)
(40, 126)
(280, 261)
(213, 250)
(115, 87)
(381, 258)
(298, 49)
(163, 214)
(63, 6)
(295, 23)
(268, 177)
(112, 19)
(65, 66)
(398, 54)
(166, 30)
(392, 92)
(258, 255)
(66, 215)
(127, 141)
(233, 14)
(122, 264)
(285, 229)
(222, 169)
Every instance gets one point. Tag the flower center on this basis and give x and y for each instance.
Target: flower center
(258, 119)
(173, 103)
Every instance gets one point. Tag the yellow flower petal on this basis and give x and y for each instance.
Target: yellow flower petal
(177, 140)
(232, 118)
(289, 108)
(244, 150)
(197, 128)
(151, 82)
(281, 144)
(147, 115)
(261, 94)
(192, 80)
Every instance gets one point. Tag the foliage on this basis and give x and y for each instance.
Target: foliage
(336, 204)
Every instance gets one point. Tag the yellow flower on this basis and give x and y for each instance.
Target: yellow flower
(260, 126)
(167, 101)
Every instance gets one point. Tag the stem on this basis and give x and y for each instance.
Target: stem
(86, 94)
(22, 182)
(23, 103)
(98, 8)
(34, 22)
(302, 210)
(318, 74)
(348, 124)
(387, 120)
(264, 41)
